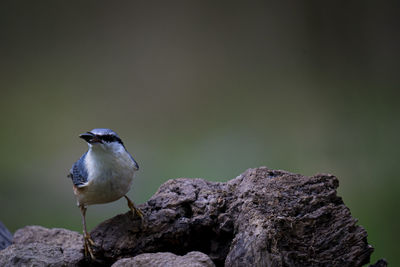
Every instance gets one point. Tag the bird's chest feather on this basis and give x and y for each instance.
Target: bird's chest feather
(109, 174)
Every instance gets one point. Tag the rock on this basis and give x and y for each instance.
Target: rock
(33, 254)
(263, 217)
(166, 259)
(57, 236)
(39, 246)
(380, 263)
(5, 237)
(293, 220)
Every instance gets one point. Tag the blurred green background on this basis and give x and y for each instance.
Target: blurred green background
(201, 89)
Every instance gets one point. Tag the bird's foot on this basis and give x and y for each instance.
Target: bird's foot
(88, 244)
(90, 240)
(136, 211)
(133, 209)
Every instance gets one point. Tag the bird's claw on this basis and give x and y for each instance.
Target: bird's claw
(88, 244)
(136, 211)
(90, 240)
(133, 209)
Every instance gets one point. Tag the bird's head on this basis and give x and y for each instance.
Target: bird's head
(102, 141)
(105, 139)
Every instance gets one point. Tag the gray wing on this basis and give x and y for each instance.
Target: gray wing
(5, 237)
(78, 172)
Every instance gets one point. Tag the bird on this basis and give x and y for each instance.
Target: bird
(103, 174)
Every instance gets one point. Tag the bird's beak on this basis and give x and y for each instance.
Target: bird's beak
(90, 138)
(87, 136)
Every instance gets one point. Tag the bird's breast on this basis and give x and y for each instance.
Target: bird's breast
(109, 177)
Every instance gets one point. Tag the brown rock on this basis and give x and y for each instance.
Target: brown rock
(32, 254)
(379, 263)
(57, 236)
(166, 259)
(261, 218)
(39, 246)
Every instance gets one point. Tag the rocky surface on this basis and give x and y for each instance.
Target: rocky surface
(166, 259)
(39, 246)
(263, 217)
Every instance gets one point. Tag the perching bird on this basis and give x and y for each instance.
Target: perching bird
(103, 174)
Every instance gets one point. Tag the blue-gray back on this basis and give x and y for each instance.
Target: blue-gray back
(78, 172)
(5, 237)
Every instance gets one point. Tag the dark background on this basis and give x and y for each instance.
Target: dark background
(201, 89)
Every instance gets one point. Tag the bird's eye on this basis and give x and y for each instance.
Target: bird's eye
(107, 138)
(110, 138)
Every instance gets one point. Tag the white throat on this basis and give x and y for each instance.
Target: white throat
(111, 148)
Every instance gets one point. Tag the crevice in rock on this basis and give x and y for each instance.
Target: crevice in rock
(187, 210)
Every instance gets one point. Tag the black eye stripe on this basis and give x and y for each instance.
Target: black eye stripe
(109, 138)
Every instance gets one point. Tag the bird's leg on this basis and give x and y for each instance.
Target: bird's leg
(133, 208)
(88, 242)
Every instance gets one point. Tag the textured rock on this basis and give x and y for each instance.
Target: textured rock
(33, 254)
(261, 218)
(57, 236)
(5, 237)
(166, 259)
(293, 220)
(39, 246)
(380, 263)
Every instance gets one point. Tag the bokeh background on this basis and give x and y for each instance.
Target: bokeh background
(201, 89)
